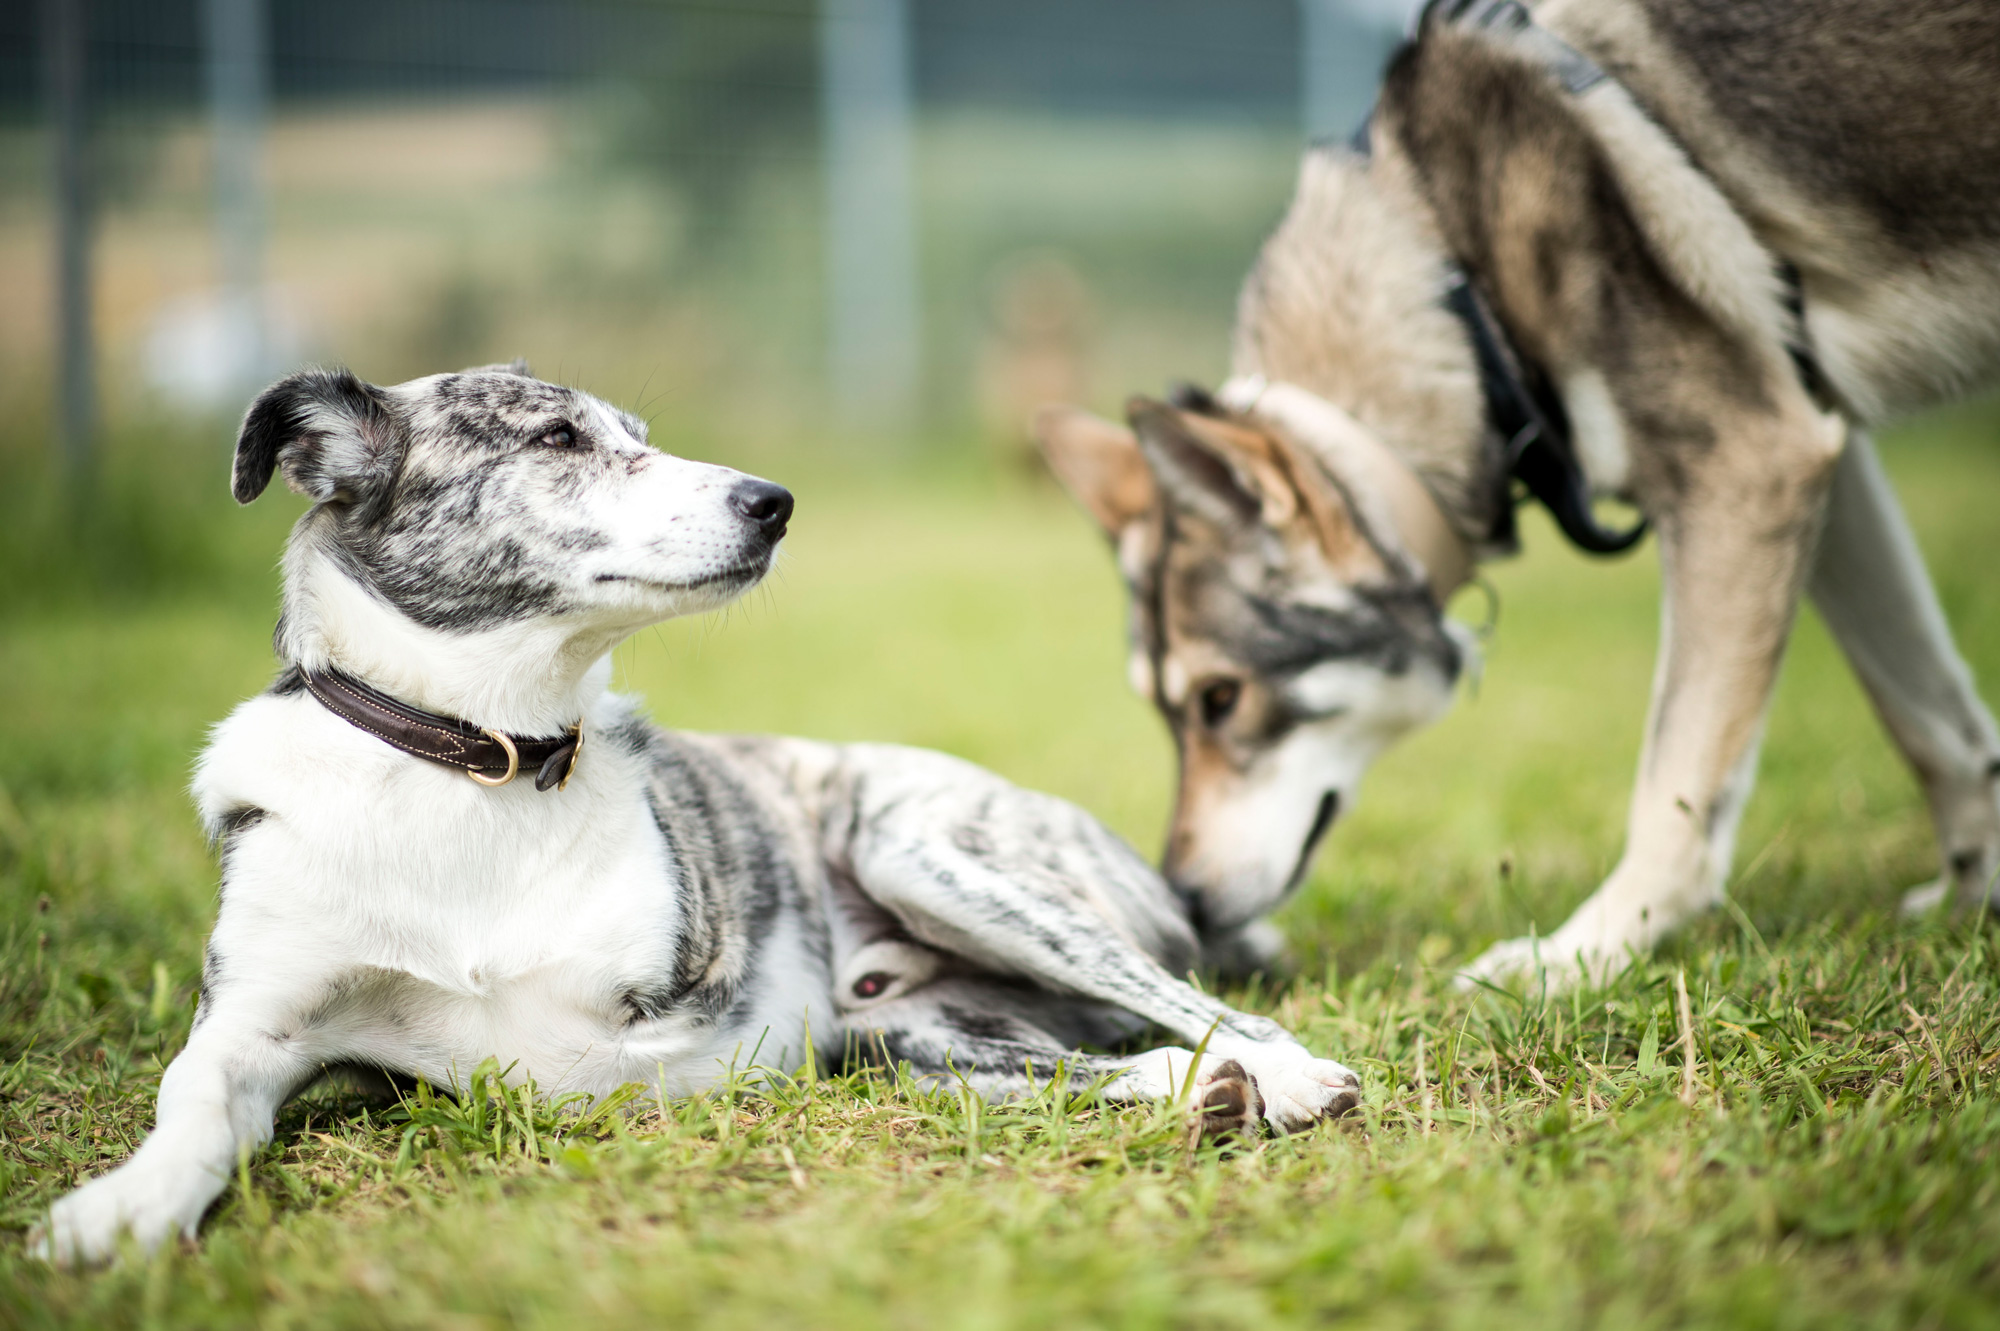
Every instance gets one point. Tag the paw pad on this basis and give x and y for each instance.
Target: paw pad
(1229, 1104)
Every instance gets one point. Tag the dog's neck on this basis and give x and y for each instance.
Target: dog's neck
(525, 679)
(1364, 324)
(1390, 496)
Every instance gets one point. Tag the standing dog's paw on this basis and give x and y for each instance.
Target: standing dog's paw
(1518, 959)
(1921, 901)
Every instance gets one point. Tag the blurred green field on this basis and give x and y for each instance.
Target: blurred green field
(1840, 1164)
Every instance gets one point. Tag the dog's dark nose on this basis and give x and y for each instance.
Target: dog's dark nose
(768, 506)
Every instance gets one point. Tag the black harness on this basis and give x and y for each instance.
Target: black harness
(1523, 410)
(1526, 415)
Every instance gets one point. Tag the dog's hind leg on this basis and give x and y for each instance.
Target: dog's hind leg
(1872, 589)
(1005, 1041)
(1026, 886)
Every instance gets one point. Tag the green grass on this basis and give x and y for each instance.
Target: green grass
(1820, 1146)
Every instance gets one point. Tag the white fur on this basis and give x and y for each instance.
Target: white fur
(1296, 1087)
(1253, 825)
(1598, 430)
(1139, 674)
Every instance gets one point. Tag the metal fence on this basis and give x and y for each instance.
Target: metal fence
(857, 217)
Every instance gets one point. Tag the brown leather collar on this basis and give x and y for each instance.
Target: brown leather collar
(445, 740)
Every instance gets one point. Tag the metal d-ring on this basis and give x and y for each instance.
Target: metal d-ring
(574, 754)
(513, 760)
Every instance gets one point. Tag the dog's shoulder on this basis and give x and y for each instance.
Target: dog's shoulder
(725, 793)
(276, 748)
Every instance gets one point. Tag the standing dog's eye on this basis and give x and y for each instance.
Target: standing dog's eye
(1218, 700)
(562, 436)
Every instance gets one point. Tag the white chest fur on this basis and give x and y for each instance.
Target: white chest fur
(384, 909)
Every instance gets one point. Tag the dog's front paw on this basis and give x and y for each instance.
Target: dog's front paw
(85, 1227)
(1921, 901)
(1515, 959)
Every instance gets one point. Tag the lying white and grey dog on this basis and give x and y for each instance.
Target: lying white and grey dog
(443, 840)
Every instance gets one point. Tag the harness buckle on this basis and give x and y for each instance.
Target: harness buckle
(575, 752)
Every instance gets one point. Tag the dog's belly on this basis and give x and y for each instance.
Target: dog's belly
(562, 1024)
(547, 1025)
(567, 1021)
(565, 989)
(385, 911)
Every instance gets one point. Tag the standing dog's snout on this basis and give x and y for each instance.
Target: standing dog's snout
(766, 505)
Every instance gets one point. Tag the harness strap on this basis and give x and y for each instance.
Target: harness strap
(1527, 416)
(1577, 72)
(1524, 412)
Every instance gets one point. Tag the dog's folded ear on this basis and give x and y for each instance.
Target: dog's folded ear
(333, 435)
(1099, 462)
(1207, 468)
(1239, 475)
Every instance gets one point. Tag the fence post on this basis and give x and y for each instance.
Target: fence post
(1322, 61)
(874, 357)
(66, 30)
(238, 90)
(1342, 46)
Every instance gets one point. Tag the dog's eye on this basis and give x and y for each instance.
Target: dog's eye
(1218, 700)
(562, 436)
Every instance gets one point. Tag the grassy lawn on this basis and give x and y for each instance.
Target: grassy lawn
(1823, 1148)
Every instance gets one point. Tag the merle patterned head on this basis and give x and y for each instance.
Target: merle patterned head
(472, 502)
(1280, 641)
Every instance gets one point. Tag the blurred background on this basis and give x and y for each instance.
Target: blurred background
(768, 221)
(849, 245)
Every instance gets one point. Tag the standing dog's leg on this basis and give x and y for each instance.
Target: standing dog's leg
(1871, 587)
(1735, 548)
(1024, 885)
(218, 1098)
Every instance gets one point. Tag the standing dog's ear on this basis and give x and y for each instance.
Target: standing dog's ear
(1201, 466)
(332, 434)
(1240, 476)
(1099, 462)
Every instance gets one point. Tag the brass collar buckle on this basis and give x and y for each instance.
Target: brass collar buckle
(499, 737)
(563, 760)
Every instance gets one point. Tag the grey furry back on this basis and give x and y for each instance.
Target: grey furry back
(737, 862)
(1889, 106)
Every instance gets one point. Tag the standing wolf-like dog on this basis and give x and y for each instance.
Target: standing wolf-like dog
(443, 840)
(1683, 253)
